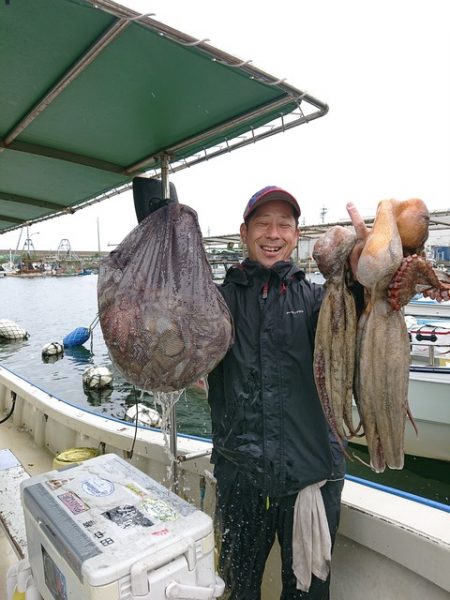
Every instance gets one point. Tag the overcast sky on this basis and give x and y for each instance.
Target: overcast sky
(382, 66)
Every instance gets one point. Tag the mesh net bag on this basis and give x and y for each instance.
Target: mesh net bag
(163, 319)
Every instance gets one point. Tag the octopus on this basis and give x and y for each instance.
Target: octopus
(389, 264)
(335, 343)
(163, 319)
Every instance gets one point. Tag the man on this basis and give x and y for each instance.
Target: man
(270, 436)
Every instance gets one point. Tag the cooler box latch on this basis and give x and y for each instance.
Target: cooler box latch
(194, 592)
(140, 569)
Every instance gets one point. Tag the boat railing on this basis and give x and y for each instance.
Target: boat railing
(433, 353)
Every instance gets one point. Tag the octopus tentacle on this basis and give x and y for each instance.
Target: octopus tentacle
(336, 331)
(386, 329)
(349, 359)
(366, 391)
(414, 270)
(382, 378)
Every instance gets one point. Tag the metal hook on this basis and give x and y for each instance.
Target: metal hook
(234, 65)
(194, 43)
(263, 80)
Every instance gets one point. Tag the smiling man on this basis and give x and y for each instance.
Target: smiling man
(270, 229)
(270, 437)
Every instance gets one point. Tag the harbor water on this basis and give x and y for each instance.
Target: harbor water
(51, 307)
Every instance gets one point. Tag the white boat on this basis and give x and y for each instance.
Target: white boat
(429, 389)
(429, 402)
(405, 539)
(382, 531)
(427, 307)
(9, 269)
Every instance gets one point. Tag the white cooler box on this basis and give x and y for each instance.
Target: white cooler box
(103, 530)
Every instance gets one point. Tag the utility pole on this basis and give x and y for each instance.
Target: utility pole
(98, 235)
(323, 213)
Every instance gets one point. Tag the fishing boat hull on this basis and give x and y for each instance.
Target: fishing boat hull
(380, 532)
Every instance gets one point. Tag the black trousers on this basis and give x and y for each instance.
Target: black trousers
(246, 524)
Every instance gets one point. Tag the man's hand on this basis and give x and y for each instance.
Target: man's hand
(361, 231)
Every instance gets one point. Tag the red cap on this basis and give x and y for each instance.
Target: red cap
(270, 192)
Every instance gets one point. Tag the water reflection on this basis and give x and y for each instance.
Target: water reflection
(10, 347)
(78, 354)
(51, 358)
(97, 397)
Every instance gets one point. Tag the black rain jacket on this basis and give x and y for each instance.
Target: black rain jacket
(267, 419)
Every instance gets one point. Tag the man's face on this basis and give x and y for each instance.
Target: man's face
(271, 234)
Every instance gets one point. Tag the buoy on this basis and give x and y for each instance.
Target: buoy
(11, 331)
(145, 415)
(77, 337)
(52, 349)
(74, 455)
(97, 378)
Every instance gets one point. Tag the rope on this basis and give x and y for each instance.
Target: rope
(94, 323)
(13, 397)
(136, 402)
(91, 328)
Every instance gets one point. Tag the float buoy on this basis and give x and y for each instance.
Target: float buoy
(52, 349)
(145, 415)
(77, 337)
(11, 331)
(97, 378)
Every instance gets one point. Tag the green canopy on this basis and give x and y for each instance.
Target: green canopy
(92, 94)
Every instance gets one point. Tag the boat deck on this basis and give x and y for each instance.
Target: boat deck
(34, 460)
(379, 532)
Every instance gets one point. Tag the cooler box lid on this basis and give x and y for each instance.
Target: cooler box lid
(103, 515)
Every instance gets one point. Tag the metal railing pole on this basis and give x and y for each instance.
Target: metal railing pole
(173, 408)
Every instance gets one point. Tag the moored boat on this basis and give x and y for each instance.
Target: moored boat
(427, 307)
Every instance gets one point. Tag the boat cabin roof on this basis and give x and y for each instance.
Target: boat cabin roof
(94, 93)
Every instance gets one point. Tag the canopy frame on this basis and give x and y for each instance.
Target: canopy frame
(276, 112)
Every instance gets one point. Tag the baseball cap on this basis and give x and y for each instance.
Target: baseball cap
(270, 192)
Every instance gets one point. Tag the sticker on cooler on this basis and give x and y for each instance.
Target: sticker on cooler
(127, 516)
(158, 510)
(73, 503)
(98, 487)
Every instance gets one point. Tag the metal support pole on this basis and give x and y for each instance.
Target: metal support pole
(173, 408)
(165, 176)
